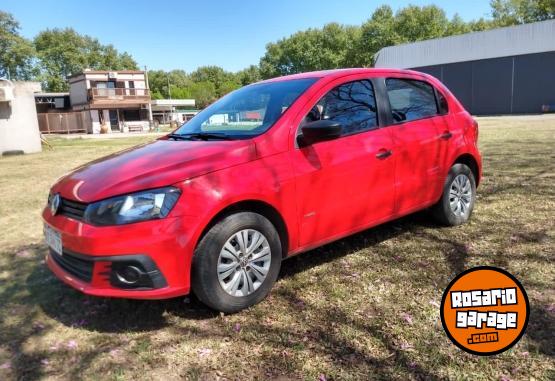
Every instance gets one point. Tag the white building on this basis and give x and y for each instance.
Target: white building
(19, 129)
(112, 101)
(176, 110)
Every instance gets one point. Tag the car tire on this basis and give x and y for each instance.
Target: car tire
(459, 195)
(221, 248)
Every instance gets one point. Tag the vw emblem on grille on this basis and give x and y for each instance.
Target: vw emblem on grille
(55, 203)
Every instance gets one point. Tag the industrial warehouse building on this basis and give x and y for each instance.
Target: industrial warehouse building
(501, 71)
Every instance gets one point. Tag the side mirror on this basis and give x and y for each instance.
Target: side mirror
(319, 131)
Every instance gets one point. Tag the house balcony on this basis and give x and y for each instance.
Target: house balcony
(118, 96)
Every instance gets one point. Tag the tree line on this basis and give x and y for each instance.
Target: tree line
(55, 54)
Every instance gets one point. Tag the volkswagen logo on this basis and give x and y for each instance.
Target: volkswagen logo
(55, 203)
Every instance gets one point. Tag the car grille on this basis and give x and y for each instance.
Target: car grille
(72, 209)
(80, 268)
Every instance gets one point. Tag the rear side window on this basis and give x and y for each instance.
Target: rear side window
(442, 103)
(410, 99)
(353, 104)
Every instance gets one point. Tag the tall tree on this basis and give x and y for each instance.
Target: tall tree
(63, 52)
(248, 75)
(16, 53)
(510, 12)
(222, 80)
(312, 49)
(203, 93)
(339, 46)
(379, 31)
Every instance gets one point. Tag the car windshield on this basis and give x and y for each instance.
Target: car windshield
(244, 113)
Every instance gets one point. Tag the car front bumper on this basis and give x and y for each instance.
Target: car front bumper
(160, 251)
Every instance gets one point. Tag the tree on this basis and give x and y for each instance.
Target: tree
(409, 24)
(16, 53)
(336, 46)
(376, 33)
(415, 23)
(63, 52)
(511, 12)
(203, 93)
(249, 75)
(217, 77)
(159, 80)
(312, 49)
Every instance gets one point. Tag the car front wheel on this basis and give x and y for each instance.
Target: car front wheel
(458, 198)
(237, 262)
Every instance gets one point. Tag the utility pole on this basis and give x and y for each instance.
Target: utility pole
(169, 88)
(150, 120)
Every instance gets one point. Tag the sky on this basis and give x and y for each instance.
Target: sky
(186, 34)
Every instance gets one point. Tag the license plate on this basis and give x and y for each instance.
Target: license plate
(53, 239)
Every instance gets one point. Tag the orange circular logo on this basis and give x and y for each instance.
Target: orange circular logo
(484, 310)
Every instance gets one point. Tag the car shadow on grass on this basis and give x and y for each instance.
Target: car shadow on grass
(359, 241)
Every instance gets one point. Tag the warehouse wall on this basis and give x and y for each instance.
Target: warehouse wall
(507, 85)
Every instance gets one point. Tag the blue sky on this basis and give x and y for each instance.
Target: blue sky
(232, 34)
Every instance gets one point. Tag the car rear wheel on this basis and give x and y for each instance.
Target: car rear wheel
(237, 262)
(458, 198)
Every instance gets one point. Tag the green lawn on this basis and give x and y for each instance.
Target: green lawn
(365, 307)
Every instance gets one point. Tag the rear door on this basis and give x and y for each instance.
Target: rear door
(416, 126)
(345, 183)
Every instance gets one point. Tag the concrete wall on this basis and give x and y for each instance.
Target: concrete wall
(19, 128)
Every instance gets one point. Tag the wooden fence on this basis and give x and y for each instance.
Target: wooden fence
(64, 123)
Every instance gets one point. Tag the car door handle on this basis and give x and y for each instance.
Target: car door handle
(384, 154)
(446, 135)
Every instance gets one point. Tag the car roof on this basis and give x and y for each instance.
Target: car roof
(337, 73)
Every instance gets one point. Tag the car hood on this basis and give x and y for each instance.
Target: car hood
(157, 164)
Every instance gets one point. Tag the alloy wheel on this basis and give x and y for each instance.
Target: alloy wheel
(244, 262)
(460, 195)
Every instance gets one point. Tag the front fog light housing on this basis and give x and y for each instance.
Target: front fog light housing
(134, 207)
(129, 275)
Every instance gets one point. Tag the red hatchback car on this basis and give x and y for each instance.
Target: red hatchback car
(268, 171)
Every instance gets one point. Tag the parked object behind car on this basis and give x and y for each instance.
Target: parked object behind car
(268, 171)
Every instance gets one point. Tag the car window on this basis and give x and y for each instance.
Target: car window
(410, 99)
(249, 111)
(442, 103)
(353, 104)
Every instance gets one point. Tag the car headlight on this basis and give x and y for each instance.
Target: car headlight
(134, 207)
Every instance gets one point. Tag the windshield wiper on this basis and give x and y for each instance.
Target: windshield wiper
(203, 136)
(178, 137)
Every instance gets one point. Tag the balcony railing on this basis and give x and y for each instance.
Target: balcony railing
(119, 94)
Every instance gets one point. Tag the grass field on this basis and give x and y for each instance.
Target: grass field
(365, 307)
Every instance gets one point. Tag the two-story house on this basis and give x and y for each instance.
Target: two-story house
(117, 101)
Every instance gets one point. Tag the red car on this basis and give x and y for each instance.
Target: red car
(268, 171)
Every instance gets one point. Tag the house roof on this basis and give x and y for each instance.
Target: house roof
(40, 94)
(106, 72)
(502, 42)
(172, 102)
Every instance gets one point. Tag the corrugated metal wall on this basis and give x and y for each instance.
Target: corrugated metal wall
(507, 85)
(515, 40)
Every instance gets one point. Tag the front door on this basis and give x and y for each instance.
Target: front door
(346, 183)
(114, 120)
